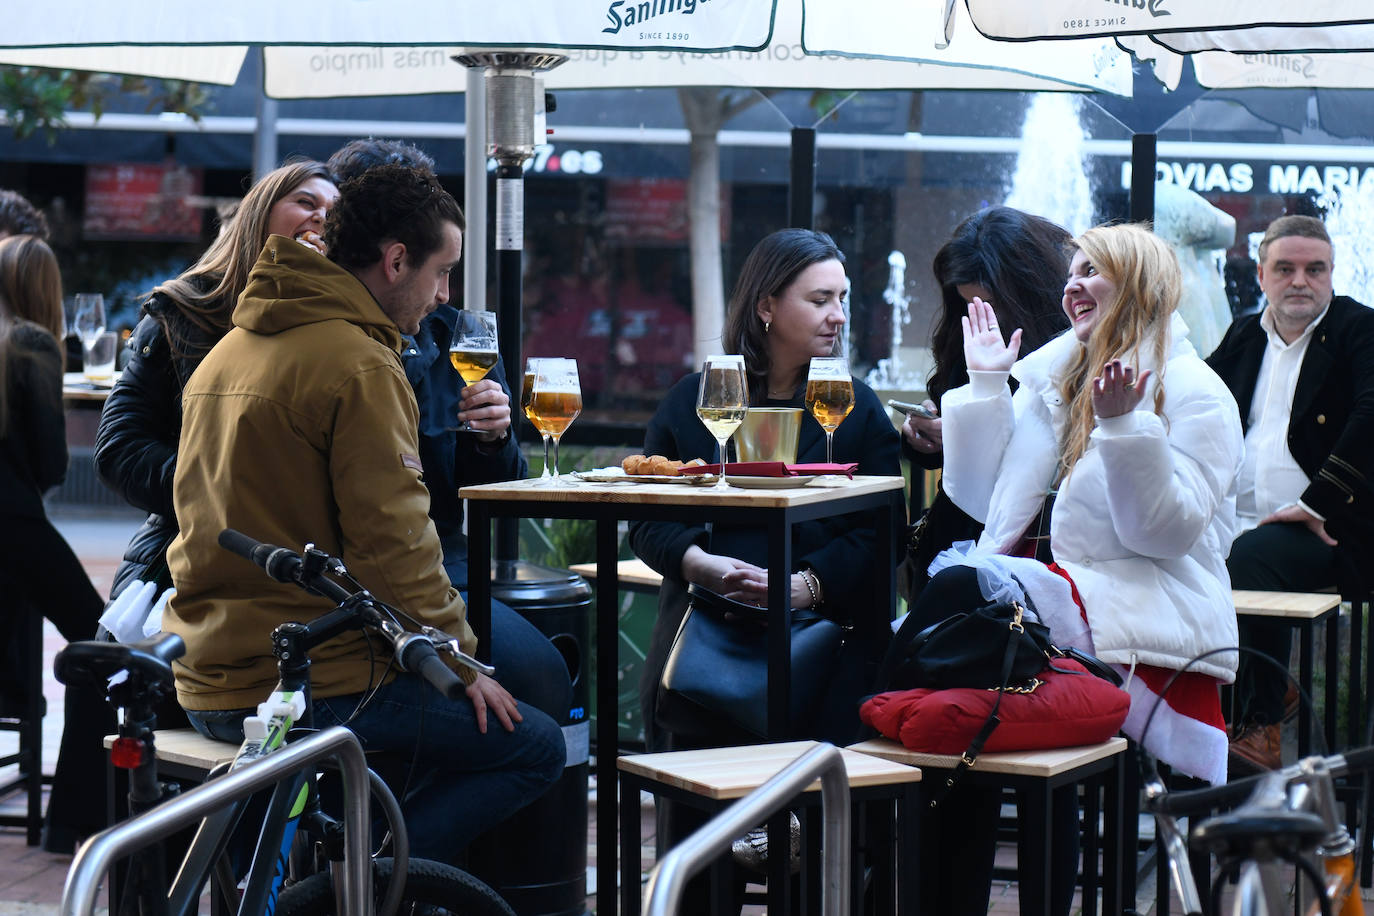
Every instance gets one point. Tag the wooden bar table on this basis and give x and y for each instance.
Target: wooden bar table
(607, 504)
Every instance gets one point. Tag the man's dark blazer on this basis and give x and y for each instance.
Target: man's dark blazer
(1331, 430)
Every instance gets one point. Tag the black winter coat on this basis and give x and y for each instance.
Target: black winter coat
(33, 450)
(136, 443)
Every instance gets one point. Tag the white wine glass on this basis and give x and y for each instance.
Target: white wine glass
(829, 396)
(526, 405)
(722, 401)
(555, 403)
(88, 317)
(473, 351)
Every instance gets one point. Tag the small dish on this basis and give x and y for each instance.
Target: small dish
(768, 483)
(616, 475)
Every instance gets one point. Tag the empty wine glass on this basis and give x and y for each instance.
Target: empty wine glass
(88, 318)
(526, 402)
(722, 401)
(555, 402)
(473, 350)
(829, 396)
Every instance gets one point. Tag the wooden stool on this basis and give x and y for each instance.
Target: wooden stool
(27, 722)
(1302, 611)
(1034, 775)
(711, 779)
(633, 575)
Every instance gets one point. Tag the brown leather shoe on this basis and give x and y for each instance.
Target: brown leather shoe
(1255, 750)
(1291, 701)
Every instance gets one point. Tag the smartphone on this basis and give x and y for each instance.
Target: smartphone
(918, 410)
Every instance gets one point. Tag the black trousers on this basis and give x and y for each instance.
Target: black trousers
(959, 837)
(44, 576)
(1278, 557)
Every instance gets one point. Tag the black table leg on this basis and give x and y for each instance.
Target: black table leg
(607, 714)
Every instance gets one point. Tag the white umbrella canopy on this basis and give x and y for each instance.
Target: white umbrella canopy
(1005, 21)
(218, 65)
(831, 46)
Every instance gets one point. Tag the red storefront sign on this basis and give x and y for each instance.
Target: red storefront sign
(143, 201)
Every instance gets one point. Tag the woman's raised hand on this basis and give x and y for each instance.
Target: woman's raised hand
(1117, 391)
(984, 348)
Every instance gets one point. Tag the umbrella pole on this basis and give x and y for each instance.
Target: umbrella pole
(801, 188)
(1144, 154)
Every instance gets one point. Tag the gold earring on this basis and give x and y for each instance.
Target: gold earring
(766, 326)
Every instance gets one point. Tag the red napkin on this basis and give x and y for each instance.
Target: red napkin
(773, 469)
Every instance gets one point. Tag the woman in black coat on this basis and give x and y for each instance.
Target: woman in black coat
(136, 443)
(39, 572)
(1016, 262)
(786, 308)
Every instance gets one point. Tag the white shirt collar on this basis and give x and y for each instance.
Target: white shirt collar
(1267, 322)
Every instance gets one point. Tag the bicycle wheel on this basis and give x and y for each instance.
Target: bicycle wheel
(431, 888)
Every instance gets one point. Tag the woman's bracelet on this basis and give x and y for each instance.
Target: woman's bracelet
(813, 586)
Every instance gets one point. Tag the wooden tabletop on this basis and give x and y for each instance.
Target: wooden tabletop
(1301, 605)
(76, 387)
(733, 772)
(1019, 763)
(629, 572)
(820, 490)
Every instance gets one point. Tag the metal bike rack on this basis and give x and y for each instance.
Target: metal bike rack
(667, 881)
(99, 853)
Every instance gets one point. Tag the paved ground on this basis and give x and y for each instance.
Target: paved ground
(31, 880)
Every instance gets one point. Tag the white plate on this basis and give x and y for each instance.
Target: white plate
(617, 475)
(768, 483)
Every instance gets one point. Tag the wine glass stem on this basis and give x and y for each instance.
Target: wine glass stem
(724, 446)
(829, 446)
(546, 475)
(557, 478)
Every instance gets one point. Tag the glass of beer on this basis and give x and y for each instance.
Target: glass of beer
(473, 349)
(555, 402)
(526, 399)
(829, 396)
(722, 400)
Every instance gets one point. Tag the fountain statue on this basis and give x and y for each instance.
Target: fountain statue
(1199, 234)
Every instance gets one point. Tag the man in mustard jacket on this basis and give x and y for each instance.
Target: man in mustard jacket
(300, 426)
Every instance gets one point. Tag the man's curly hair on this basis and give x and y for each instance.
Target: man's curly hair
(19, 217)
(385, 204)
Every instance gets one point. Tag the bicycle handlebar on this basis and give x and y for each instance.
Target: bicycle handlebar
(1200, 801)
(414, 652)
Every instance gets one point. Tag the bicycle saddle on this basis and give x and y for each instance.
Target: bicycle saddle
(93, 662)
(1236, 832)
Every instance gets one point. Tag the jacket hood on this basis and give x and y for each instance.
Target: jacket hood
(292, 285)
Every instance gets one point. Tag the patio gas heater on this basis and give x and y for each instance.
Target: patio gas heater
(549, 878)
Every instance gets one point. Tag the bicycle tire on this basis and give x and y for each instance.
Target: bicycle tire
(431, 887)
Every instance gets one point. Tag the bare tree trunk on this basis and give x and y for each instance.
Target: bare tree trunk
(706, 111)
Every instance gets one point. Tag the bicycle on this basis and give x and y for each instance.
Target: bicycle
(1285, 817)
(303, 863)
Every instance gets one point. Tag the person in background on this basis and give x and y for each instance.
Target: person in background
(40, 573)
(787, 307)
(300, 426)
(1106, 485)
(1016, 263)
(527, 664)
(19, 217)
(1302, 376)
(136, 442)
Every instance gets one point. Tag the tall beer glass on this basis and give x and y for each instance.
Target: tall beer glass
(829, 396)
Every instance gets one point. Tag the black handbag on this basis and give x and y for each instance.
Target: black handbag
(717, 667)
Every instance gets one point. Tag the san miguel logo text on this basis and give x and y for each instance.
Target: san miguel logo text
(1154, 7)
(620, 14)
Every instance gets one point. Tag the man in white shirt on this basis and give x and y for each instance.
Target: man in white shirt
(1302, 372)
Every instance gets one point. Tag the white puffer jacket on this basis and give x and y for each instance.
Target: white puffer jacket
(1144, 521)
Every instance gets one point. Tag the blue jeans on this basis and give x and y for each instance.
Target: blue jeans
(454, 782)
(527, 664)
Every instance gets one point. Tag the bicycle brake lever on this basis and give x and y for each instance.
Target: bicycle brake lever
(450, 644)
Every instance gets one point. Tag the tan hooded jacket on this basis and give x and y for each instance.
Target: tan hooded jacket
(299, 426)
